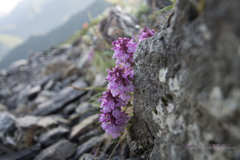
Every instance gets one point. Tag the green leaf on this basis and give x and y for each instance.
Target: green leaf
(165, 9)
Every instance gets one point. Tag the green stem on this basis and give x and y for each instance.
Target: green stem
(89, 88)
(122, 31)
(165, 9)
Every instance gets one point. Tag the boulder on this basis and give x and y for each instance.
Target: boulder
(187, 90)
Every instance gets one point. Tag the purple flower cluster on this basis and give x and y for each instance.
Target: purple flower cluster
(146, 33)
(113, 118)
(123, 51)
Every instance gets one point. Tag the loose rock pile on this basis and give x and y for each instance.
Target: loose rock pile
(42, 118)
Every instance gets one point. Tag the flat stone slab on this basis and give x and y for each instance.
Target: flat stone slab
(83, 126)
(34, 91)
(53, 136)
(61, 99)
(59, 151)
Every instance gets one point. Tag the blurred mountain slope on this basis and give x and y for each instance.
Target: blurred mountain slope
(56, 36)
(8, 42)
(40, 16)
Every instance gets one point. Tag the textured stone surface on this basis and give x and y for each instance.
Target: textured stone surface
(187, 85)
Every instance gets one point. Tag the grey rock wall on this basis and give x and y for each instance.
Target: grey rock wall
(187, 80)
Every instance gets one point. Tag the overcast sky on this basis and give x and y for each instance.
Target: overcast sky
(6, 6)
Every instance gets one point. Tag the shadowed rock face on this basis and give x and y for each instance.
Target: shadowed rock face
(187, 85)
(123, 21)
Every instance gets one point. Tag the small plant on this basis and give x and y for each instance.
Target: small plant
(114, 118)
(167, 7)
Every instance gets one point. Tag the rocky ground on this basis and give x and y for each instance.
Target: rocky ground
(43, 118)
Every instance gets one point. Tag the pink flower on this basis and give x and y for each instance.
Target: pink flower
(146, 33)
(113, 118)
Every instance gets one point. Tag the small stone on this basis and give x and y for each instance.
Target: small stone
(33, 92)
(48, 121)
(27, 121)
(49, 85)
(7, 125)
(69, 109)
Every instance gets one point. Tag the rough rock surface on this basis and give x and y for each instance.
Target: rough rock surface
(187, 85)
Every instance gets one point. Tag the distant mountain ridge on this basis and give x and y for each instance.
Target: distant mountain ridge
(36, 17)
(40, 16)
(54, 37)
